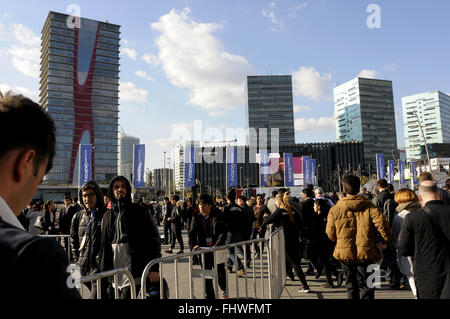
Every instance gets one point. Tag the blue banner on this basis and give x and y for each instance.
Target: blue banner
(381, 171)
(313, 171)
(391, 165)
(288, 169)
(232, 176)
(85, 163)
(139, 165)
(401, 168)
(414, 174)
(264, 168)
(189, 157)
(306, 170)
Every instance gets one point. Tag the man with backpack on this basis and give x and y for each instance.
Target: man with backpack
(386, 203)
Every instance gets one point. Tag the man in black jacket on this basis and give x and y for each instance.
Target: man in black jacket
(31, 267)
(388, 251)
(85, 232)
(425, 235)
(176, 225)
(207, 230)
(167, 211)
(130, 238)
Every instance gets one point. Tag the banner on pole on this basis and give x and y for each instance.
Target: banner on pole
(391, 165)
(232, 177)
(401, 168)
(306, 170)
(381, 171)
(414, 174)
(289, 169)
(189, 160)
(313, 171)
(264, 168)
(298, 171)
(85, 163)
(139, 165)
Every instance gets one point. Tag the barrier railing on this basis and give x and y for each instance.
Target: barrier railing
(64, 240)
(275, 267)
(111, 273)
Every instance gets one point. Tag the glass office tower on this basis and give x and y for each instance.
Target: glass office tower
(270, 105)
(364, 110)
(79, 87)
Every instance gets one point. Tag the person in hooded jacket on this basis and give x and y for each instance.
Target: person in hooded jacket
(85, 232)
(130, 239)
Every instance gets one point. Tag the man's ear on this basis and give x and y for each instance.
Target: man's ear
(23, 165)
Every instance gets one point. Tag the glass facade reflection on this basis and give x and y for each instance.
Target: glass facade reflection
(79, 88)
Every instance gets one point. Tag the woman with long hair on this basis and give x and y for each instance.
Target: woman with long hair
(284, 217)
(408, 202)
(49, 218)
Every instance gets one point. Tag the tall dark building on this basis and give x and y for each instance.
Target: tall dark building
(80, 89)
(270, 106)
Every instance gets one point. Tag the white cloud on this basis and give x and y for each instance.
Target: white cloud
(144, 75)
(292, 12)
(182, 126)
(270, 14)
(131, 53)
(310, 83)
(193, 58)
(166, 142)
(151, 59)
(298, 109)
(33, 95)
(22, 47)
(216, 113)
(369, 74)
(314, 124)
(129, 93)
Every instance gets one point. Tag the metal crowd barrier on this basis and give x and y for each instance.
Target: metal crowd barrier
(275, 267)
(64, 240)
(111, 273)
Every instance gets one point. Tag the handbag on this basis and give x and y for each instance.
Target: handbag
(40, 222)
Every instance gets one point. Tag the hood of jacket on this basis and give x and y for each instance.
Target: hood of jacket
(100, 205)
(409, 206)
(127, 199)
(354, 203)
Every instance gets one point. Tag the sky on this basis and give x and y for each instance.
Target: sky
(186, 61)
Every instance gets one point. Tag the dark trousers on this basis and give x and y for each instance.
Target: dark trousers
(234, 237)
(293, 258)
(390, 262)
(176, 235)
(221, 277)
(356, 281)
(261, 234)
(167, 232)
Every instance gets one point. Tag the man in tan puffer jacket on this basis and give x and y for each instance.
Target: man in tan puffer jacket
(353, 223)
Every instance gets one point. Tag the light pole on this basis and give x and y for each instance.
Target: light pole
(414, 112)
(240, 177)
(163, 179)
(317, 176)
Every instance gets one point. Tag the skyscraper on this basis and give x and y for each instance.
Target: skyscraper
(433, 112)
(126, 143)
(80, 90)
(270, 106)
(364, 110)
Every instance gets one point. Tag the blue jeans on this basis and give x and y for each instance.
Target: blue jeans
(232, 257)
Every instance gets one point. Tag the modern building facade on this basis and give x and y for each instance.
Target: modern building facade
(364, 110)
(433, 114)
(180, 164)
(270, 106)
(125, 164)
(79, 87)
(162, 180)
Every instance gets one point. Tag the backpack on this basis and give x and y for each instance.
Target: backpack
(389, 211)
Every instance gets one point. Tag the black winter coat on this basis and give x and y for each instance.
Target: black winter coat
(88, 258)
(197, 235)
(281, 218)
(430, 248)
(143, 236)
(32, 267)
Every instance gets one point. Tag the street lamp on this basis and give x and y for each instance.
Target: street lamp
(317, 176)
(240, 177)
(414, 112)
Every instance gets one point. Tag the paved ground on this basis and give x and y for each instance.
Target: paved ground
(290, 291)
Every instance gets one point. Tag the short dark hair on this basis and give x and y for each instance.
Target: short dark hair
(391, 187)
(231, 194)
(24, 124)
(351, 184)
(382, 183)
(67, 197)
(274, 193)
(206, 199)
(166, 198)
(308, 192)
(310, 186)
(425, 176)
(175, 198)
(243, 198)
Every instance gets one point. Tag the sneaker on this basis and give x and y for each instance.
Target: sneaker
(224, 294)
(240, 273)
(180, 252)
(304, 289)
(169, 251)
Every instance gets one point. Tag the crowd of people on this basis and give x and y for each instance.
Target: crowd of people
(340, 235)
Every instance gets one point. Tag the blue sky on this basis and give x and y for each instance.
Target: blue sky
(183, 61)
